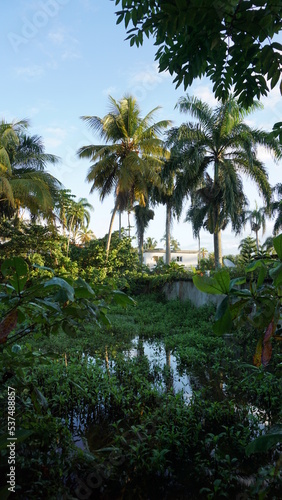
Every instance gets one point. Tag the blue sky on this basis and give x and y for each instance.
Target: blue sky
(61, 59)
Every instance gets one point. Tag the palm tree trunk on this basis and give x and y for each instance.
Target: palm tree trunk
(70, 230)
(199, 250)
(217, 249)
(128, 218)
(119, 224)
(167, 234)
(141, 248)
(257, 241)
(110, 231)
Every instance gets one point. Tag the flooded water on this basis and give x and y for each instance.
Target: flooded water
(160, 357)
(162, 362)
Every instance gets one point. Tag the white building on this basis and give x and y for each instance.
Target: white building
(186, 258)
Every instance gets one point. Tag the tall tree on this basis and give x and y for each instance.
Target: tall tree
(150, 243)
(78, 217)
(257, 219)
(131, 158)
(24, 182)
(248, 249)
(229, 147)
(143, 215)
(169, 192)
(63, 204)
(276, 208)
(232, 42)
(85, 236)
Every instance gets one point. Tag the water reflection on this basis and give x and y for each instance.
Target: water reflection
(160, 356)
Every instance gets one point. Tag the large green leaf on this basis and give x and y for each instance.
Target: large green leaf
(83, 290)
(237, 282)
(276, 273)
(254, 265)
(122, 299)
(16, 270)
(223, 318)
(63, 285)
(265, 442)
(277, 242)
(216, 285)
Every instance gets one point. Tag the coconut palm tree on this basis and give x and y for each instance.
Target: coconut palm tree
(63, 204)
(212, 197)
(229, 147)
(85, 236)
(131, 157)
(78, 216)
(143, 215)
(24, 183)
(150, 243)
(276, 208)
(257, 219)
(169, 192)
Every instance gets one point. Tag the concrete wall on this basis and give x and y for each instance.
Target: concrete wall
(186, 290)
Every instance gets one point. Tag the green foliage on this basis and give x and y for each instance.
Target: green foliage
(142, 437)
(231, 42)
(260, 305)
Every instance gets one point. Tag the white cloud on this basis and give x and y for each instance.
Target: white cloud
(56, 37)
(110, 91)
(148, 76)
(69, 54)
(66, 44)
(204, 92)
(54, 136)
(29, 72)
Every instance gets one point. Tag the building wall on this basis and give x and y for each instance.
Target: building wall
(185, 258)
(186, 290)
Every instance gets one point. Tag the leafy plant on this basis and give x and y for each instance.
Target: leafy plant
(260, 305)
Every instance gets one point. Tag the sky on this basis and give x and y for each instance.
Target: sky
(61, 59)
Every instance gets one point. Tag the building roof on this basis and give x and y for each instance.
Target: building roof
(160, 250)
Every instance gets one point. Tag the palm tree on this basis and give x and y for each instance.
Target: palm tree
(276, 208)
(150, 243)
(85, 236)
(63, 204)
(170, 192)
(257, 219)
(78, 216)
(23, 180)
(131, 157)
(229, 147)
(211, 198)
(143, 215)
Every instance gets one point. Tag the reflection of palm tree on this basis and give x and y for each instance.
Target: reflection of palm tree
(130, 159)
(229, 146)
